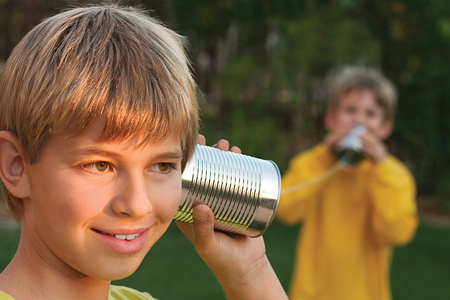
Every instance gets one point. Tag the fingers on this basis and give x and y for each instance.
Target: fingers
(222, 145)
(370, 141)
(225, 145)
(201, 139)
(373, 148)
(333, 138)
(335, 135)
(236, 150)
(201, 232)
(203, 226)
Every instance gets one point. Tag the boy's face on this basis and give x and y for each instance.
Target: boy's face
(359, 106)
(96, 209)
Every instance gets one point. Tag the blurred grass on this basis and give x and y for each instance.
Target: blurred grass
(173, 270)
(421, 269)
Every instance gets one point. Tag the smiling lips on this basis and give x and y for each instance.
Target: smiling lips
(127, 237)
(123, 243)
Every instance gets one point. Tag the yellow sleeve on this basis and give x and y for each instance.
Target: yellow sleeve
(394, 214)
(303, 169)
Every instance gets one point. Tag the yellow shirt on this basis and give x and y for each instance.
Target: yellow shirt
(115, 293)
(351, 219)
(125, 293)
(4, 296)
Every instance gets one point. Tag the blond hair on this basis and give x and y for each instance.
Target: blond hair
(358, 78)
(98, 61)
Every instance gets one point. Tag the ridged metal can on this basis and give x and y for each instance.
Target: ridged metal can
(242, 191)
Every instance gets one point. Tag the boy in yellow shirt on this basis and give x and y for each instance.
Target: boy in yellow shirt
(351, 217)
(98, 119)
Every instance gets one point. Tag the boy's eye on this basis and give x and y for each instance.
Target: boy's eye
(163, 167)
(97, 167)
(101, 166)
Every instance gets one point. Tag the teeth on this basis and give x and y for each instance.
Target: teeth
(128, 237)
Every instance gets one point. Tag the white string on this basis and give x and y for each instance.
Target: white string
(342, 163)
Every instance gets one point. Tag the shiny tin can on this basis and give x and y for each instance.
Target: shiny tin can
(242, 191)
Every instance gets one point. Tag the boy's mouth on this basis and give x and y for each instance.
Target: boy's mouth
(123, 240)
(127, 237)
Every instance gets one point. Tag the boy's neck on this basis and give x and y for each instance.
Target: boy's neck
(31, 276)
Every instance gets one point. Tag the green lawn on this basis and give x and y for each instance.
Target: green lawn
(172, 270)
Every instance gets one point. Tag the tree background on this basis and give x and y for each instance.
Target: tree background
(263, 68)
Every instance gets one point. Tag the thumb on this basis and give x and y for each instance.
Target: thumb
(203, 223)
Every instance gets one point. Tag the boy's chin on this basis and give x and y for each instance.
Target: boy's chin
(111, 274)
(111, 269)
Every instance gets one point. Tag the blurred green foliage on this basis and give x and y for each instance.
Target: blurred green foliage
(263, 68)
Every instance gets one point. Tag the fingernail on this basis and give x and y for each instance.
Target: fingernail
(200, 215)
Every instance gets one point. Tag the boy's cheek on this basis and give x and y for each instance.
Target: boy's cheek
(169, 199)
(175, 204)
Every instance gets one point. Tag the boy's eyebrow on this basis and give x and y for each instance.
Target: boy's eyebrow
(170, 155)
(92, 150)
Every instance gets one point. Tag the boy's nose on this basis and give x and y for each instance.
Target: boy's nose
(359, 119)
(132, 200)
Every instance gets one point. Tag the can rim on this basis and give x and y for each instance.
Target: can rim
(277, 203)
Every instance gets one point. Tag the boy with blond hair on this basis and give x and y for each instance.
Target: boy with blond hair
(98, 119)
(353, 216)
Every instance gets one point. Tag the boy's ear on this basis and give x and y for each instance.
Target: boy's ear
(386, 129)
(12, 165)
(329, 119)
